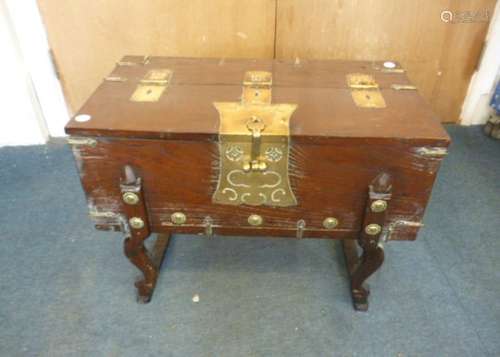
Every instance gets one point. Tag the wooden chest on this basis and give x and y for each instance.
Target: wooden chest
(312, 149)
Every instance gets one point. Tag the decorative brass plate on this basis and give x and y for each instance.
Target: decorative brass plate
(254, 140)
(365, 91)
(152, 86)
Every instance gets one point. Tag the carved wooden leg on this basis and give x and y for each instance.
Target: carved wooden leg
(138, 230)
(137, 254)
(150, 267)
(362, 267)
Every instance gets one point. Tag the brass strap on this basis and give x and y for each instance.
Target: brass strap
(257, 87)
(152, 86)
(365, 91)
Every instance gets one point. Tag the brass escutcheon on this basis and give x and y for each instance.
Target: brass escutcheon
(254, 138)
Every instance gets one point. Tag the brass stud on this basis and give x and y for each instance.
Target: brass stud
(255, 220)
(378, 206)
(373, 229)
(330, 222)
(178, 218)
(130, 198)
(136, 223)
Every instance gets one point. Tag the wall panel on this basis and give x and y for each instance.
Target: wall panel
(88, 37)
(440, 56)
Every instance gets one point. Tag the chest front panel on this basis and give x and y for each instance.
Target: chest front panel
(327, 180)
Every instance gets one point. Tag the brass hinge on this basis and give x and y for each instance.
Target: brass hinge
(152, 86)
(301, 227)
(365, 91)
(393, 225)
(72, 140)
(435, 152)
(393, 70)
(115, 79)
(403, 87)
(144, 61)
(94, 213)
(257, 87)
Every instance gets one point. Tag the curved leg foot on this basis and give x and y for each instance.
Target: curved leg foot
(137, 254)
(149, 266)
(370, 261)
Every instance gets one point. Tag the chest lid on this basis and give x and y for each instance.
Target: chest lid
(176, 98)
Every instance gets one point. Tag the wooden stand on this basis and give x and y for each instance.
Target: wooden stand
(360, 267)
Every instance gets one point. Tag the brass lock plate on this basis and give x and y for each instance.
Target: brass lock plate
(254, 138)
(365, 91)
(151, 88)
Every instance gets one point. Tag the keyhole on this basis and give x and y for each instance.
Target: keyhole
(149, 91)
(367, 97)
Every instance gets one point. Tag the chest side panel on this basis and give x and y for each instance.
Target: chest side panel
(328, 181)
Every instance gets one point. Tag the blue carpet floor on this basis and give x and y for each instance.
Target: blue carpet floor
(67, 290)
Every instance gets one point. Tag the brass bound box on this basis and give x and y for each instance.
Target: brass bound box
(317, 149)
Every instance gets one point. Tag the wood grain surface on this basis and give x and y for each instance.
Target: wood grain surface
(325, 106)
(328, 180)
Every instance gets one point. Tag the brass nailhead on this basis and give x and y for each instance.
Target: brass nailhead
(178, 218)
(130, 198)
(330, 222)
(373, 229)
(378, 206)
(136, 222)
(255, 220)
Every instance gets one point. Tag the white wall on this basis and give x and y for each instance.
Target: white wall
(21, 122)
(34, 45)
(32, 104)
(475, 109)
